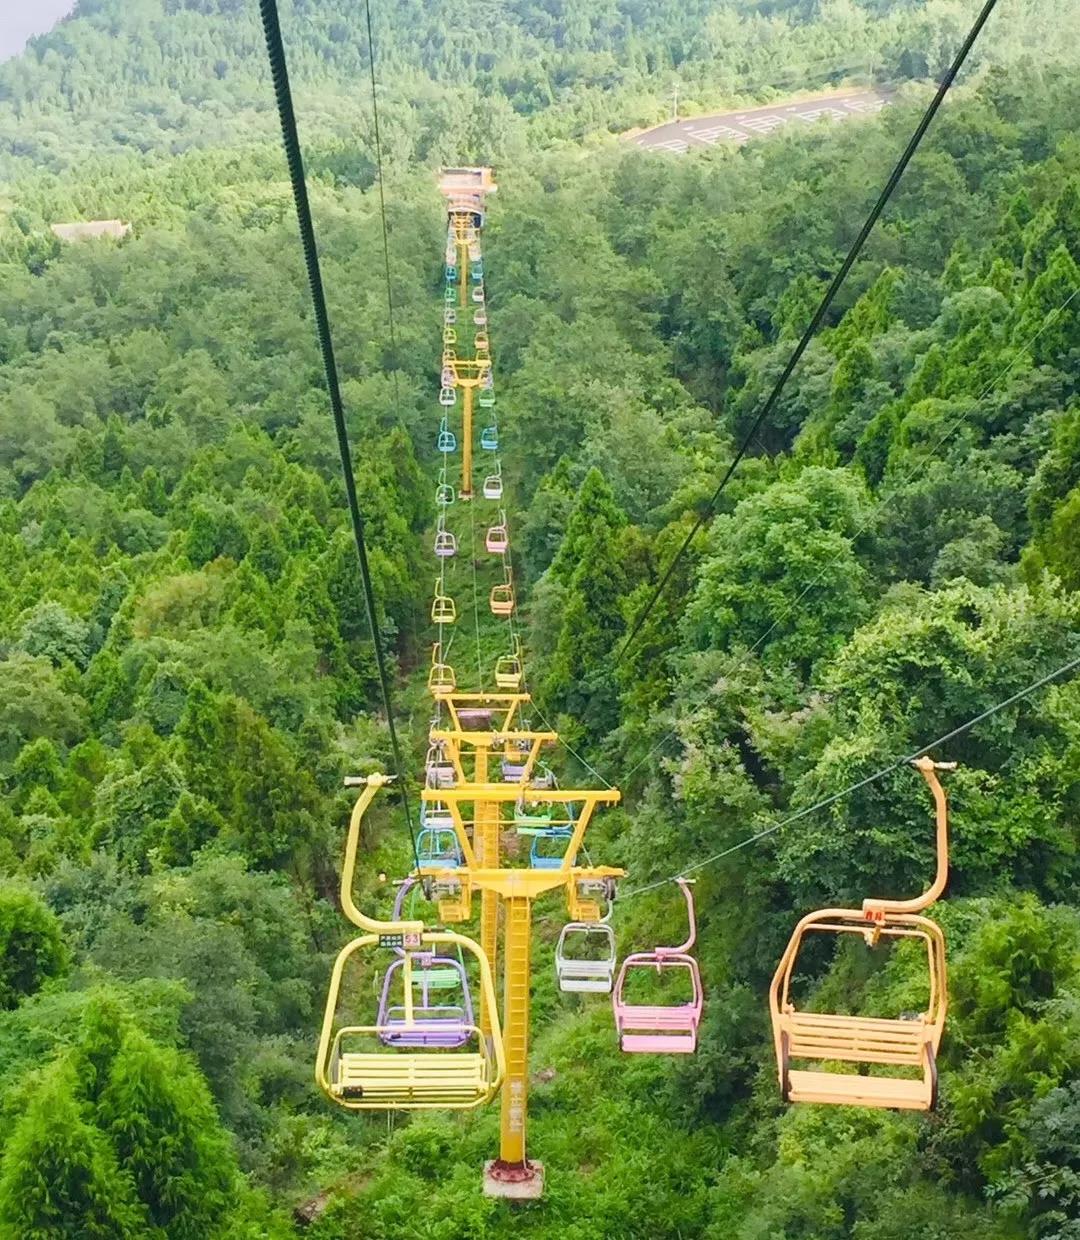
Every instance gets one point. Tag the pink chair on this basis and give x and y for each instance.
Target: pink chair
(664, 1029)
(497, 540)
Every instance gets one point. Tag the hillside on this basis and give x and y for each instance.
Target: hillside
(483, 79)
(188, 673)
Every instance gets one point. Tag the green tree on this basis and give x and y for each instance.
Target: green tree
(32, 948)
(60, 1175)
(157, 1113)
(783, 574)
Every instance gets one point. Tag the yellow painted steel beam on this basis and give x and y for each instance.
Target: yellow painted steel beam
(516, 996)
(491, 738)
(513, 792)
(487, 841)
(465, 490)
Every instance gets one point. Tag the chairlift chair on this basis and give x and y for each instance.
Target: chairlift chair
(581, 974)
(657, 1028)
(476, 272)
(513, 770)
(445, 544)
(438, 846)
(450, 294)
(421, 1020)
(897, 1044)
(501, 600)
(435, 816)
(486, 398)
(419, 1062)
(541, 817)
(478, 293)
(489, 439)
(479, 317)
(444, 495)
(443, 608)
(543, 778)
(449, 335)
(508, 673)
(497, 540)
(539, 859)
(438, 769)
(441, 679)
(493, 487)
(449, 316)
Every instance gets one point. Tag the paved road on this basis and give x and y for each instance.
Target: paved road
(682, 136)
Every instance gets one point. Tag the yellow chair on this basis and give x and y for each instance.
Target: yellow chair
(441, 680)
(381, 1078)
(897, 1044)
(510, 669)
(358, 1066)
(443, 608)
(502, 600)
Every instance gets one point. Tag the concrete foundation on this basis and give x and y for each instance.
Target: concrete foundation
(512, 1182)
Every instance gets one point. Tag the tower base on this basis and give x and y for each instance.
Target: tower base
(514, 1181)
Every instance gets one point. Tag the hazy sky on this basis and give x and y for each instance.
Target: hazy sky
(19, 19)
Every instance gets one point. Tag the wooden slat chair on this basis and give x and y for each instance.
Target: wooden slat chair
(665, 1029)
(380, 1077)
(900, 1045)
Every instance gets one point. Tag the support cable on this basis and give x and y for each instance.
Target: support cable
(275, 51)
(815, 322)
(382, 203)
(1071, 666)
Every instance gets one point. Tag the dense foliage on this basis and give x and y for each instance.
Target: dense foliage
(187, 673)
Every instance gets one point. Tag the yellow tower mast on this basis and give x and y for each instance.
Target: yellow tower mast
(483, 774)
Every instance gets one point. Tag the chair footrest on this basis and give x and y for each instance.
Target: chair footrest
(659, 1043)
(864, 1091)
(412, 1078)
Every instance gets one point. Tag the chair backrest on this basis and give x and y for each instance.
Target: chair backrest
(438, 846)
(502, 600)
(508, 674)
(421, 1022)
(441, 679)
(585, 973)
(658, 1017)
(540, 860)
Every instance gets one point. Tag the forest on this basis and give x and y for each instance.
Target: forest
(187, 669)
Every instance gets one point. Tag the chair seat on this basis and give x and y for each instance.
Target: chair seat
(814, 1035)
(659, 1043)
(412, 1078)
(865, 1091)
